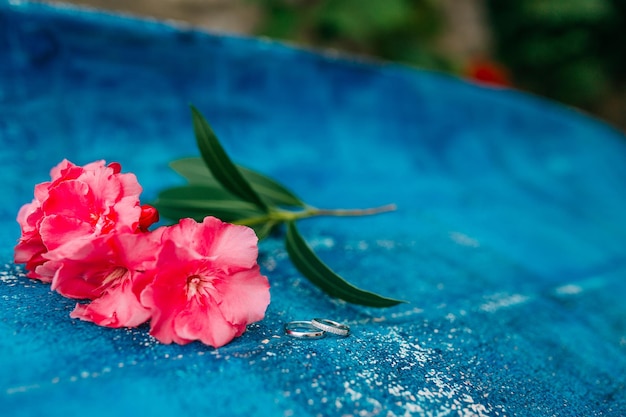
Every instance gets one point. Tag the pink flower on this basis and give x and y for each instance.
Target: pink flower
(77, 205)
(106, 270)
(206, 284)
(86, 233)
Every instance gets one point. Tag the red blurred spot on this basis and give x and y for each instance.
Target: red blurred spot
(488, 72)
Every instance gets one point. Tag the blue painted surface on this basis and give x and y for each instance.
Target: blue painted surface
(508, 242)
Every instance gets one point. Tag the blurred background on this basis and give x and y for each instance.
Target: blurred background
(572, 51)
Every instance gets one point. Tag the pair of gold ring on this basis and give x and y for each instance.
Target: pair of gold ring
(315, 329)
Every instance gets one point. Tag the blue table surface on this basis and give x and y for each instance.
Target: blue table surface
(508, 242)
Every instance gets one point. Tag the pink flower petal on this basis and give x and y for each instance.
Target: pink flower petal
(29, 216)
(106, 188)
(64, 171)
(233, 246)
(29, 250)
(117, 307)
(94, 166)
(204, 322)
(68, 232)
(72, 199)
(124, 216)
(130, 185)
(165, 296)
(73, 287)
(244, 296)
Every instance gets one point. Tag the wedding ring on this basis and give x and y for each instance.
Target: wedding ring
(331, 327)
(303, 330)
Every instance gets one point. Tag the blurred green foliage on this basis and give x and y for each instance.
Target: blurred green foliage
(397, 30)
(573, 51)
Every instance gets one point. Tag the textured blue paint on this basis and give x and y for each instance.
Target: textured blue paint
(508, 241)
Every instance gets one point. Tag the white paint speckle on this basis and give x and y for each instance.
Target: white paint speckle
(569, 289)
(499, 301)
(463, 240)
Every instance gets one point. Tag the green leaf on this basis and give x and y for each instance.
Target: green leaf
(321, 275)
(264, 229)
(194, 170)
(198, 192)
(271, 191)
(198, 201)
(222, 168)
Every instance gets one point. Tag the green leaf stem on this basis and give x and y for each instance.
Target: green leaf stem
(217, 187)
(321, 275)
